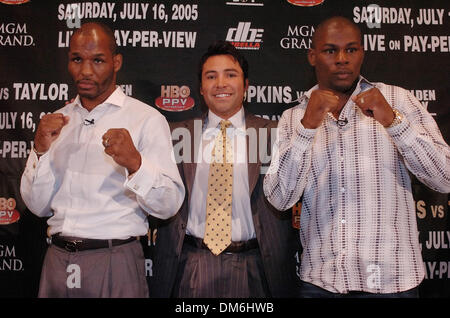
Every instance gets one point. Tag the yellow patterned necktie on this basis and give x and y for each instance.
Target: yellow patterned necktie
(220, 193)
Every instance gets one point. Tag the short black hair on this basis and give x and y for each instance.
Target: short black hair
(326, 22)
(223, 48)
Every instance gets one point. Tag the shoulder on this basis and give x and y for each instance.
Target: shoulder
(393, 90)
(179, 124)
(141, 107)
(66, 109)
(258, 121)
(295, 113)
(187, 123)
(399, 97)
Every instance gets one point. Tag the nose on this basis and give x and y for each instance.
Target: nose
(221, 81)
(86, 69)
(341, 57)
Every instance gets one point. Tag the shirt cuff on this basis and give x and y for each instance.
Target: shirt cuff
(303, 138)
(403, 133)
(141, 181)
(35, 164)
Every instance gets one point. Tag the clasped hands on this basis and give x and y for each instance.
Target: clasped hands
(371, 102)
(117, 141)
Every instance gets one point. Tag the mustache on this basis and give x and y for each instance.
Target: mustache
(85, 81)
(343, 71)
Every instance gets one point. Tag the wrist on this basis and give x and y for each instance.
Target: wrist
(310, 124)
(396, 120)
(37, 152)
(135, 165)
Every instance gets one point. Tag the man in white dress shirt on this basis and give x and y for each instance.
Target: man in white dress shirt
(99, 166)
(346, 150)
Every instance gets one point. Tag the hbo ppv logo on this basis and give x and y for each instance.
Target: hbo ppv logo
(175, 98)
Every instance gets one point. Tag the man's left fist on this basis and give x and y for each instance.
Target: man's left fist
(119, 145)
(372, 103)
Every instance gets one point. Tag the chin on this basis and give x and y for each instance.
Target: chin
(344, 87)
(87, 95)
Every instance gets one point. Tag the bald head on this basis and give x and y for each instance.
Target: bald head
(97, 29)
(93, 63)
(333, 23)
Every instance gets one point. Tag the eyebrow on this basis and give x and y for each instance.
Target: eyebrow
(95, 55)
(334, 45)
(225, 70)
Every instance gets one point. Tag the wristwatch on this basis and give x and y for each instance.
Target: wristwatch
(397, 119)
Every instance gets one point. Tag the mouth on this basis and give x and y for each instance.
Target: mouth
(343, 75)
(222, 95)
(85, 84)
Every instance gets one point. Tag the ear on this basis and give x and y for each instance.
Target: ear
(201, 89)
(246, 85)
(117, 62)
(312, 57)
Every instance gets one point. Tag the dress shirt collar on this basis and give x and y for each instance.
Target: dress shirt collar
(117, 98)
(362, 80)
(237, 122)
(349, 109)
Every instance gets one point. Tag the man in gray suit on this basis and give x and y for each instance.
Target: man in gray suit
(199, 253)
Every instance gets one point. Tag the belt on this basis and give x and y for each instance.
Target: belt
(234, 247)
(72, 244)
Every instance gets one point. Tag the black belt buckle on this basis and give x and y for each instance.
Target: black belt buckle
(72, 246)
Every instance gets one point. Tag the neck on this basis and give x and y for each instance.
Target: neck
(227, 116)
(91, 103)
(343, 97)
(342, 101)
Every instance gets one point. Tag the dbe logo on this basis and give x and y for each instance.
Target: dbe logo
(305, 3)
(8, 214)
(244, 37)
(174, 98)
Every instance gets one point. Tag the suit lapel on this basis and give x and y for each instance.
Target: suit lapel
(253, 160)
(195, 130)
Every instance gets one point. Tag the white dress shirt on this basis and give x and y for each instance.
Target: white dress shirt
(358, 219)
(85, 193)
(242, 228)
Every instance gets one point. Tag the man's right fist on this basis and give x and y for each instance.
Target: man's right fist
(48, 130)
(320, 103)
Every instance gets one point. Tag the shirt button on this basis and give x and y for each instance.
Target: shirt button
(136, 187)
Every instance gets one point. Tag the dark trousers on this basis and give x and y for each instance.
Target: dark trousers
(201, 274)
(308, 290)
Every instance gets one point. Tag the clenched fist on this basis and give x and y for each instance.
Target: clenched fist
(320, 103)
(119, 145)
(48, 130)
(373, 104)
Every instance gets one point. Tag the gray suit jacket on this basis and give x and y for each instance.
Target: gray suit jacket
(278, 240)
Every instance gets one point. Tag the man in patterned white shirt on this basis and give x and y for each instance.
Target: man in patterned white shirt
(345, 150)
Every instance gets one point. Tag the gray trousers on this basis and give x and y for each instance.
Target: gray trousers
(201, 274)
(113, 272)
